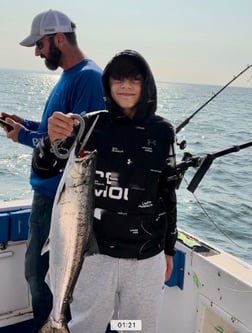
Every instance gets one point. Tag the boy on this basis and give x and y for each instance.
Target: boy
(135, 205)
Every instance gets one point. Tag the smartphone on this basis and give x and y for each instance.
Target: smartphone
(3, 123)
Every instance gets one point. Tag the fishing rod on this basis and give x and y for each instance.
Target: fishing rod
(208, 160)
(203, 163)
(187, 120)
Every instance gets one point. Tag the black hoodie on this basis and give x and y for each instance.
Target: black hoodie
(135, 205)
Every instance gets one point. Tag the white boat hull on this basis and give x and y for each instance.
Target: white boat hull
(216, 296)
(210, 290)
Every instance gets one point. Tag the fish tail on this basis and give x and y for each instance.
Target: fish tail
(54, 327)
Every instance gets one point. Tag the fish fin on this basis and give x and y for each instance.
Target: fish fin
(46, 246)
(63, 190)
(47, 279)
(92, 247)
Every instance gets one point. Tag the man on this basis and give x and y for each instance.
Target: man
(79, 90)
(135, 200)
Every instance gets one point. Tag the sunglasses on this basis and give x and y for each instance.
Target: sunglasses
(39, 44)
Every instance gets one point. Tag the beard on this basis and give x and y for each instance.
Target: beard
(53, 60)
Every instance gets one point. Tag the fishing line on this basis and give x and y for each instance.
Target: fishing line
(211, 220)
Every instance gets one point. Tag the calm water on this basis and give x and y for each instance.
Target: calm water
(220, 210)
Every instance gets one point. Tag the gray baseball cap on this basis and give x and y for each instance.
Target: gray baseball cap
(47, 23)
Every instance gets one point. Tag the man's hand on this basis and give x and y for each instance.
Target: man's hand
(15, 122)
(14, 117)
(13, 134)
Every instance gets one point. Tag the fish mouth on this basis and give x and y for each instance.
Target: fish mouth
(86, 154)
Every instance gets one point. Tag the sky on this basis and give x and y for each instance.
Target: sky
(191, 41)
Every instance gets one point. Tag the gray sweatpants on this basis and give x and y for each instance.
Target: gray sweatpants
(120, 288)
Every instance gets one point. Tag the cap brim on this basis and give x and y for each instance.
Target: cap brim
(30, 40)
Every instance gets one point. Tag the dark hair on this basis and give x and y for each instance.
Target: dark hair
(71, 36)
(126, 66)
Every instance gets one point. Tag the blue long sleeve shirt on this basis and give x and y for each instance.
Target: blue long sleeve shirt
(79, 90)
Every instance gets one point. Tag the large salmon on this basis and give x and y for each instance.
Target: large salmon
(70, 234)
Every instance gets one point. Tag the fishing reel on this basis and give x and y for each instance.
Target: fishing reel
(177, 173)
(202, 162)
(182, 144)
